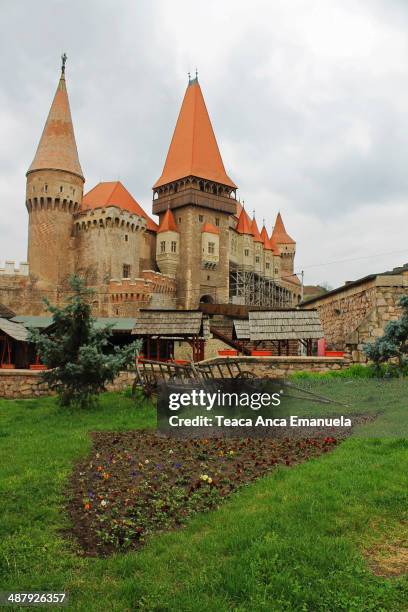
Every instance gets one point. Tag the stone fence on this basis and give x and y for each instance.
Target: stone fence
(20, 384)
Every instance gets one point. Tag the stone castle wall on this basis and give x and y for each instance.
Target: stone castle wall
(359, 314)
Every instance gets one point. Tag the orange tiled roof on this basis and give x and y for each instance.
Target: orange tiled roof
(193, 149)
(57, 148)
(279, 233)
(255, 231)
(265, 239)
(244, 223)
(113, 193)
(274, 246)
(167, 223)
(210, 228)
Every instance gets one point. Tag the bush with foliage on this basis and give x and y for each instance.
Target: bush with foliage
(78, 355)
(393, 345)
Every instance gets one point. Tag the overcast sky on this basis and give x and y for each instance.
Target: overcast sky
(308, 99)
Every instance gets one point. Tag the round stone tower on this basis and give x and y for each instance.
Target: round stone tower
(54, 193)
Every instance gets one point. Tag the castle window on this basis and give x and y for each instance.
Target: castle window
(45, 188)
(126, 271)
(246, 252)
(173, 246)
(211, 248)
(61, 189)
(200, 218)
(208, 277)
(163, 246)
(257, 259)
(267, 266)
(217, 222)
(179, 219)
(126, 238)
(276, 270)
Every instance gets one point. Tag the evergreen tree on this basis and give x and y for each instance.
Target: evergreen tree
(394, 342)
(78, 355)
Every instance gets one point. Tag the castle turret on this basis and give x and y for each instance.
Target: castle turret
(54, 192)
(168, 245)
(287, 248)
(246, 241)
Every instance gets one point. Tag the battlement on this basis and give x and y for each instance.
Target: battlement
(10, 269)
(109, 217)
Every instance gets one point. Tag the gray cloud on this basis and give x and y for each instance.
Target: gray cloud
(308, 100)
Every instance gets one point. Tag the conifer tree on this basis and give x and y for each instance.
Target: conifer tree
(78, 355)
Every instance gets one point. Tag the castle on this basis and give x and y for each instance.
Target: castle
(204, 248)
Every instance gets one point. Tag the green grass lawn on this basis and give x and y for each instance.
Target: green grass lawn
(294, 540)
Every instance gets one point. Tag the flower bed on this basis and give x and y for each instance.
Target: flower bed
(137, 483)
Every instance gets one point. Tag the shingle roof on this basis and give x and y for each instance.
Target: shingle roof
(279, 233)
(39, 322)
(169, 323)
(193, 149)
(244, 223)
(241, 327)
(114, 193)
(167, 223)
(285, 325)
(57, 148)
(14, 330)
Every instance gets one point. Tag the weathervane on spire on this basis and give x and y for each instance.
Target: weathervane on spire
(63, 60)
(196, 74)
(189, 76)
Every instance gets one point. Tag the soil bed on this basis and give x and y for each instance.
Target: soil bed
(136, 483)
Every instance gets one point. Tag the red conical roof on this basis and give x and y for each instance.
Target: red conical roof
(265, 239)
(113, 193)
(57, 148)
(255, 231)
(244, 223)
(167, 223)
(274, 246)
(279, 233)
(210, 228)
(193, 149)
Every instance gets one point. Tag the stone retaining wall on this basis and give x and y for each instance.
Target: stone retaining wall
(280, 367)
(20, 384)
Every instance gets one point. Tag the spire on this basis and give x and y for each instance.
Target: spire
(244, 223)
(168, 223)
(279, 233)
(255, 231)
(265, 239)
(193, 149)
(57, 149)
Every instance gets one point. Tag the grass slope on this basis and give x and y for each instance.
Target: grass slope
(292, 541)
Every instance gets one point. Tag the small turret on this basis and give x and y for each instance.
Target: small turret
(258, 248)
(168, 245)
(246, 240)
(287, 248)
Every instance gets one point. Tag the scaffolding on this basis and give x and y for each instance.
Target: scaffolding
(250, 289)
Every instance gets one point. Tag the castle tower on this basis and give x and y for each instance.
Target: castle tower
(287, 248)
(168, 245)
(53, 193)
(196, 188)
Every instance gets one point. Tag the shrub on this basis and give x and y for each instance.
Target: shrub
(393, 345)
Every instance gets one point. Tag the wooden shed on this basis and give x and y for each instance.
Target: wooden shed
(160, 328)
(13, 344)
(285, 326)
